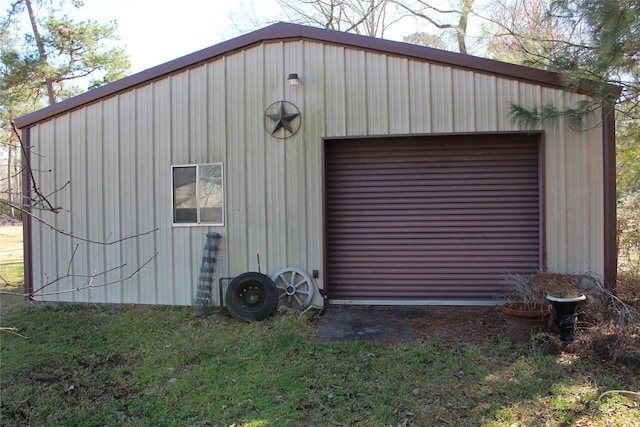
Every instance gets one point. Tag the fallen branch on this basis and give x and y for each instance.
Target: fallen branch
(633, 394)
(13, 332)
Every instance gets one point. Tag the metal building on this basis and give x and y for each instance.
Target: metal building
(393, 170)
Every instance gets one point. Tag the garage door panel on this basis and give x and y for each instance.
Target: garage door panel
(430, 218)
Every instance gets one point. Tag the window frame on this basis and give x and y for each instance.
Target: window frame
(199, 222)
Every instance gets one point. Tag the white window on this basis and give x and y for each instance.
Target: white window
(198, 194)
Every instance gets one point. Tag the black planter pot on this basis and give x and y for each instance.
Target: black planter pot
(565, 312)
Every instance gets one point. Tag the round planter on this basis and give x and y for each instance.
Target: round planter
(565, 317)
(521, 324)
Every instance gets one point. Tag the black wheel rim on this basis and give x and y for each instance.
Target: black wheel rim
(251, 297)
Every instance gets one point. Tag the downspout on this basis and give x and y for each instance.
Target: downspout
(26, 213)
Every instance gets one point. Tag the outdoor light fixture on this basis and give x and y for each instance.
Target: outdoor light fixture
(293, 79)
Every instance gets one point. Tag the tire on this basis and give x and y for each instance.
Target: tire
(251, 297)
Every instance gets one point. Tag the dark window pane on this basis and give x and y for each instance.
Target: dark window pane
(184, 195)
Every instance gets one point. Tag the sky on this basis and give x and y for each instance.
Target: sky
(155, 32)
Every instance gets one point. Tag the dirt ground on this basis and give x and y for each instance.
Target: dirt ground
(402, 324)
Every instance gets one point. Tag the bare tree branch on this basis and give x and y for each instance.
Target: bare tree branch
(88, 279)
(27, 166)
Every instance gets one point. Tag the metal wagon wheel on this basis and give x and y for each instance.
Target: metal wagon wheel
(295, 288)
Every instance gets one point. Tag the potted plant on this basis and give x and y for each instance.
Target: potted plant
(527, 305)
(525, 308)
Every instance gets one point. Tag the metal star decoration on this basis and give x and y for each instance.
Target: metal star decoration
(283, 115)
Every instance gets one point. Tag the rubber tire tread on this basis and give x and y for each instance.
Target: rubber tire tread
(239, 309)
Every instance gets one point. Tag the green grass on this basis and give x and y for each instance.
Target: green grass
(82, 365)
(11, 273)
(11, 256)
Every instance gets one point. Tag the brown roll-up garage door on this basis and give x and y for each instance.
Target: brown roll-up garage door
(436, 219)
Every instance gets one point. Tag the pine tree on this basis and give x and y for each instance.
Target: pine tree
(54, 58)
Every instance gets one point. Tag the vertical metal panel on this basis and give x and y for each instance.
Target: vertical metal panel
(275, 155)
(144, 245)
(198, 109)
(163, 238)
(111, 187)
(576, 195)
(398, 92)
(128, 194)
(329, 114)
(61, 176)
(197, 143)
(463, 101)
(181, 153)
(556, 187)
(95, 194)
(333, 120)
(236, 162)
(438, 218)
(420, 103)
(377, 96)
(595, 182)
(441, 95)
(324, 112)
(485, 103)
(255, 164)
(43, 161)
(218, 151)
(355, 93)
(273, 188)
(78, 204)
(507, 92)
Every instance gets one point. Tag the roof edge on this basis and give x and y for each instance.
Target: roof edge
(288, 31)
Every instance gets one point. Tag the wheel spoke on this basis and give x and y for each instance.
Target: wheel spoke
(300, 283)
(295, 287)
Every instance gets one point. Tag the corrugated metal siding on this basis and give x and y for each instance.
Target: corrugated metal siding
(273, 188)
(441, 218)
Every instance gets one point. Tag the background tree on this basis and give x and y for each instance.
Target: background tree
(51, 58)
(58, 56)
(13, 103)
(518, 31)
(592, 44)
(425, 39)
(435, 26)
(451, 17)
(367, 17)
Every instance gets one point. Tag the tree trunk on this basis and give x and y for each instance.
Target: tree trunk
(10, 175)
(9, 186)
(41, 51)
(461, 30)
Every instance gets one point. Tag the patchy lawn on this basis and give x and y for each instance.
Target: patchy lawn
(11, 256)
(89, 365)
(81, 365)
(11, 267)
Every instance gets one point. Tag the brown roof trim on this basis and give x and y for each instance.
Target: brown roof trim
(27, 221)
(610, 214)
(287, 31)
